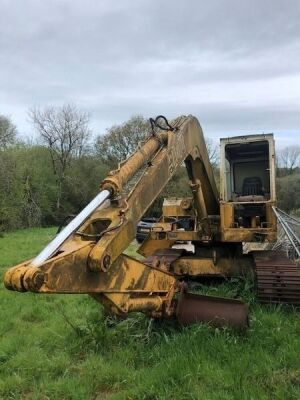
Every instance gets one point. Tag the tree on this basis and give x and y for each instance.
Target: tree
(288, 192)
(28, 188)
(121, 140)
(65, 131)
(83, 182)
(8, 132)
(289, 158)
(213, 151)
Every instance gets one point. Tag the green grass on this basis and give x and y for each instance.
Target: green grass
(64, 347)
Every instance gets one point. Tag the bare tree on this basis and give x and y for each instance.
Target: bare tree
(213, 151)
(121, 140)
(65, 132)
(289, 158)
(8, 132)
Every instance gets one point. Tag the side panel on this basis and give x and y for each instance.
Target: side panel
(231, 232)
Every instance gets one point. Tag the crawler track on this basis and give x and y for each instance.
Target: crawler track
(278, 278)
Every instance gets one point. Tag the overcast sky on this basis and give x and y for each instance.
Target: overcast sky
(233, 64)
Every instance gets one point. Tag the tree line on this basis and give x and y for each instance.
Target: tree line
(43, 182)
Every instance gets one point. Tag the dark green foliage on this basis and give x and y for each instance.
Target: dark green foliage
(38, 185)
(82, 182)
(28, 192)
(27, 187)
(10, 193)
(121, 140)
(288, 192)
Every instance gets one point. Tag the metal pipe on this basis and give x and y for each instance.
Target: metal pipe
(55, 244)
(288, 231)
(116, 180)
(295, 240)
(282, 220)
(295, 220)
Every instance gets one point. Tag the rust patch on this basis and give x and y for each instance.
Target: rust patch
(217, 311)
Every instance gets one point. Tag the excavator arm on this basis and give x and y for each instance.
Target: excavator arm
(160, 156)
(87, 256)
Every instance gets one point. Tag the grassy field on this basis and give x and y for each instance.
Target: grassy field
(63, 347)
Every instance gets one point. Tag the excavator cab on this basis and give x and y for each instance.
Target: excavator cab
(247, 192)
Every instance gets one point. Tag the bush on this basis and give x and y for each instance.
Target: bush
(288, 192)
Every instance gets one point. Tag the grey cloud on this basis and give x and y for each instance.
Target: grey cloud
(121, 58)
(221, 119)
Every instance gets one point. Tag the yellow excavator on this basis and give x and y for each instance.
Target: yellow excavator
(87, 256)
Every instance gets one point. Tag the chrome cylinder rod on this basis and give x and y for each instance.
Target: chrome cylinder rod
(55, 244)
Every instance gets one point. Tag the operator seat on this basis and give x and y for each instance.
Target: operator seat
(252, 186)
(252, 190)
